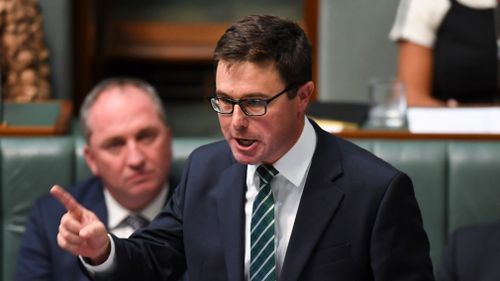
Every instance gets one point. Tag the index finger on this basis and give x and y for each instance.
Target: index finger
(67, 200)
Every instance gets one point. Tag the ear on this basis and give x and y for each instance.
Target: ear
(168, 131)
(87, 153)
(304, 94)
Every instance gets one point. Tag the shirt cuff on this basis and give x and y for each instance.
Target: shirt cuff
(105, 267)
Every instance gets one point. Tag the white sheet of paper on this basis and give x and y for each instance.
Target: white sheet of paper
(461, 120)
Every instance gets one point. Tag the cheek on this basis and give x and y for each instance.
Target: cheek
(159, 154)
(224, 123)
(277, 130)
(109, 167)
(224, 120)
(266, 131)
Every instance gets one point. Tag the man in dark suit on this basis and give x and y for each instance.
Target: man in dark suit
(279, 199)
(472, 253)
(128, 149)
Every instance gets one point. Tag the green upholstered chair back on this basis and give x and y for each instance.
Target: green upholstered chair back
(456, 182)
(29, 168)
(474, 183)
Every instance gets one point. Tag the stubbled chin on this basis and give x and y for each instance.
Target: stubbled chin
(243, 159)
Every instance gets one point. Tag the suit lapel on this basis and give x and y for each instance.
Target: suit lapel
(95, 201)
(318, 203)
(230, 200)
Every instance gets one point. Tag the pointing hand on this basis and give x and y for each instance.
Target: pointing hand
(80, 231)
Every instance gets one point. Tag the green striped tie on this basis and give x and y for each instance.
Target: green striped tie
(262, 252)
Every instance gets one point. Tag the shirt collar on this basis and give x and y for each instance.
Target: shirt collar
(295, 163)
(117, 213)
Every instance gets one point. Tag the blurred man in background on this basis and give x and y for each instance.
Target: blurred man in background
(128, 149)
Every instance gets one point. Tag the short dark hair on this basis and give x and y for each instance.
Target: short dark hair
(266, 38)
(118, 82)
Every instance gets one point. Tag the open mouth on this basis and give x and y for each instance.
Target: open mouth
(245, 142)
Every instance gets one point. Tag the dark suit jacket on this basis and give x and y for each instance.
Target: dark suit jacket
(473, 253)
(39, 257)
(358, 219)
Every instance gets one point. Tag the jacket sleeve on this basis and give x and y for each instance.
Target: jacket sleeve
(33, 259)
(399, 245)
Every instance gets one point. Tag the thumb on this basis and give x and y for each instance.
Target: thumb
(93, 230)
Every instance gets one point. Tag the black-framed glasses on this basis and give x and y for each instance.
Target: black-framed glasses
(250, 106)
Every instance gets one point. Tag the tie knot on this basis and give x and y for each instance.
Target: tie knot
(136, 221)
(266, 173)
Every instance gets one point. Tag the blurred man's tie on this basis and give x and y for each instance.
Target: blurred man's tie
(136, 221)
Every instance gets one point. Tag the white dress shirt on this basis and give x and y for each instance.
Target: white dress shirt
(117, 213)
(287, 187)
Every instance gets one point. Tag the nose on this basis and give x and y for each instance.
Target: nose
(135, 156)
(239, 119)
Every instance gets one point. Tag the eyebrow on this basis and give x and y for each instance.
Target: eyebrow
(147, 130)
(254, 95)
(111, 141)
